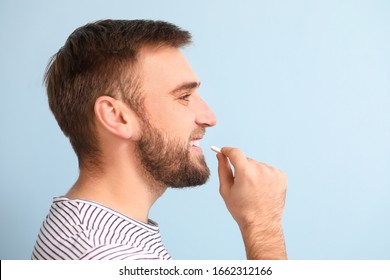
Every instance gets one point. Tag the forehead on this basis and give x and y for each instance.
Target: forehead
(163, 69)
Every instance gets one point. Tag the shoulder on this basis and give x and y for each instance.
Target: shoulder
(126, 252)
(78, 229)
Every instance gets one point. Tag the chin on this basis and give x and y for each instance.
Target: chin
(193, 178)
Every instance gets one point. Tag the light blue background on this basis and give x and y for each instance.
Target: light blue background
(301, 85)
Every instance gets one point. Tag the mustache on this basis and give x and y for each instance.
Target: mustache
(198, 133)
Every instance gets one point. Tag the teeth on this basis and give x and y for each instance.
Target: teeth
(195, 143)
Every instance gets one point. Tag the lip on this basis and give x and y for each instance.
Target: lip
(194, 143)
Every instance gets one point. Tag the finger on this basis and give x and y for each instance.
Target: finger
(225, 173)
(237, 158)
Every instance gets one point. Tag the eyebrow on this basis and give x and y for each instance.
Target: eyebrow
(185, 86)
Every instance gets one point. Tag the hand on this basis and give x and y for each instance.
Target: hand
(255, 197)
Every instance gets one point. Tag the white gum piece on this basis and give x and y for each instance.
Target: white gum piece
(215, 149)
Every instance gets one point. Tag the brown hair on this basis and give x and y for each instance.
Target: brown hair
(99, 59)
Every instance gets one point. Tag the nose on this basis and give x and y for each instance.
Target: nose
(204, 116)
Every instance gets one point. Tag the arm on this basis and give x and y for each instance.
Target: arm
(255, 197)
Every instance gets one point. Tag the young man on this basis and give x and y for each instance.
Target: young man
(128, 101)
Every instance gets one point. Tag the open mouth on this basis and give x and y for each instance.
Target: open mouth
(195, 143)
(195, 138)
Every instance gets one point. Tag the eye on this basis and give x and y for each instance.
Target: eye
(185, 97)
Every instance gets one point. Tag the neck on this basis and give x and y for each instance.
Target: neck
(121, 186)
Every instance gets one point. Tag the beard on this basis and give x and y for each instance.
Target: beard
(167, 161)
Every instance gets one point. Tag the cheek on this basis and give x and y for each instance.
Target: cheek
(173, 119)
(156, 111)
(177, 125)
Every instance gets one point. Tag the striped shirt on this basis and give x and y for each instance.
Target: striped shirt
(79, 229)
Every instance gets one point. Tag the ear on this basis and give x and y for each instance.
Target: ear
(116, 117)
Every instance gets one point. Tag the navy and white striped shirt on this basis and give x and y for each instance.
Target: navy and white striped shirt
(80, 229)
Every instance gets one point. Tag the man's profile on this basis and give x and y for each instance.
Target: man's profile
(127, 99)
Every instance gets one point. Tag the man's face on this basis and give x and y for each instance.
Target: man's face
(174, 121)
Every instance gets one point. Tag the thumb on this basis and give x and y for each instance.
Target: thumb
(225, 174)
